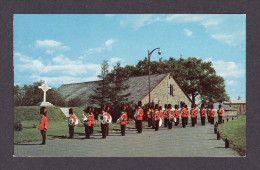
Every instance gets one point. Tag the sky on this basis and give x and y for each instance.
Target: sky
(70, 48)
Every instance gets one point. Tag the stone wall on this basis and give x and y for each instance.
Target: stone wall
(161, 94)
(241, 107)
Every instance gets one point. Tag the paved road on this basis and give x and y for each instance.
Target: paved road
(199, 141)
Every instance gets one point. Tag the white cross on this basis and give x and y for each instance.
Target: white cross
(45, 88)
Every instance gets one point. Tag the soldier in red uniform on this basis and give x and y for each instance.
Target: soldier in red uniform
(220, 114)
(187, 114)
(203, 113)
(108, 117)
(149, 116)
(103, 125)
(157, 117)
(212, 115)
(43, 124)
(197, 111)
(123, 117)
(208, 113)
(71, 125)
(153, 116)
(161, 112)
(92, 121)
(170, 112)
(87, 123)
(193, 115)
(177, 114)
(165, 115)
(139, 117)
(184, 115)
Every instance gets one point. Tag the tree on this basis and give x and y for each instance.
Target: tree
(100, 95)
(117, 95)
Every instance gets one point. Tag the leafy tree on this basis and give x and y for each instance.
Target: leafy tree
(117, 95)
(100, 95)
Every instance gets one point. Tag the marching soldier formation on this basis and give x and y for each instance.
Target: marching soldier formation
(154, 114)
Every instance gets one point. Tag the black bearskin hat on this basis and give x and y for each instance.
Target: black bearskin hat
(160, 107)
(43, 110)
(219, 106)
(165, 106)
(140, 103)
(103, 108)
(88, 109)
(185, 106)
(156, 106)
(202, 105)
(175, 106)
(169, 106)
(71, 111)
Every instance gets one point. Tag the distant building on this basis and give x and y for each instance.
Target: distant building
(164, 90)
(239, 105)
(228, 111)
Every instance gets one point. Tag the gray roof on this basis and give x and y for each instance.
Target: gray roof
(225, 107)
(138, 87)
(237, 101)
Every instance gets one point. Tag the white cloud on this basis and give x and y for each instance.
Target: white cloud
(106, 46)
(210, 22)
(47, 43)
(227, 38)
(109, 42)
(228, 69)
(231, 82)
(114, 60)
(26, 63)
(188, 32)
(53, 81)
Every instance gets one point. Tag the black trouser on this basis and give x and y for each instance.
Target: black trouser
(165, 122)
(149, 122)
(104, 130)
(136, 124)
(107, 129)
(91, 129)
(87, 131)
(212, 120)
(208, 119)
(43, 133)
(139, 126)
(156, 125)
(220, 119)
(177, 122)
(123, 130)
(196, 120)
(203, 120)
(169, 124)
(193, 121)
(183, 120)
(71, 131)
(186, 120)
(153, 124)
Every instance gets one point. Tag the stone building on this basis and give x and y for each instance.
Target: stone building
(164, 90)
(239, 105)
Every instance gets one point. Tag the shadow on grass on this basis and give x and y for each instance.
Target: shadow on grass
(212, 139)
(219, 147)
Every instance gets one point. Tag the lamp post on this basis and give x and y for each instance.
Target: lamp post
(149, 55)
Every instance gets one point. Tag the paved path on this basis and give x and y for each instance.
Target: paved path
(199, 141)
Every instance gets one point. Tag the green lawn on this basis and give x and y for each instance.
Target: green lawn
(29, 116)
(235, 131)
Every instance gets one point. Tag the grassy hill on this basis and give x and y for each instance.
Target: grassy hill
(32, 113)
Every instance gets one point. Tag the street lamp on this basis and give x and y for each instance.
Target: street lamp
(149, 55)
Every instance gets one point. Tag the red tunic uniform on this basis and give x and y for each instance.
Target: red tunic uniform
(166, 114)
(124, 118)
(177, 113)
(203, 112)
(140, 115)
(220, 112)
(212, 113)
(43, 123)
(157, 114)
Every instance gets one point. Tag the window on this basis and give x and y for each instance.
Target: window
(171, 89)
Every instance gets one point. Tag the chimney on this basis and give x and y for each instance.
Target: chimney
(238, 97)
